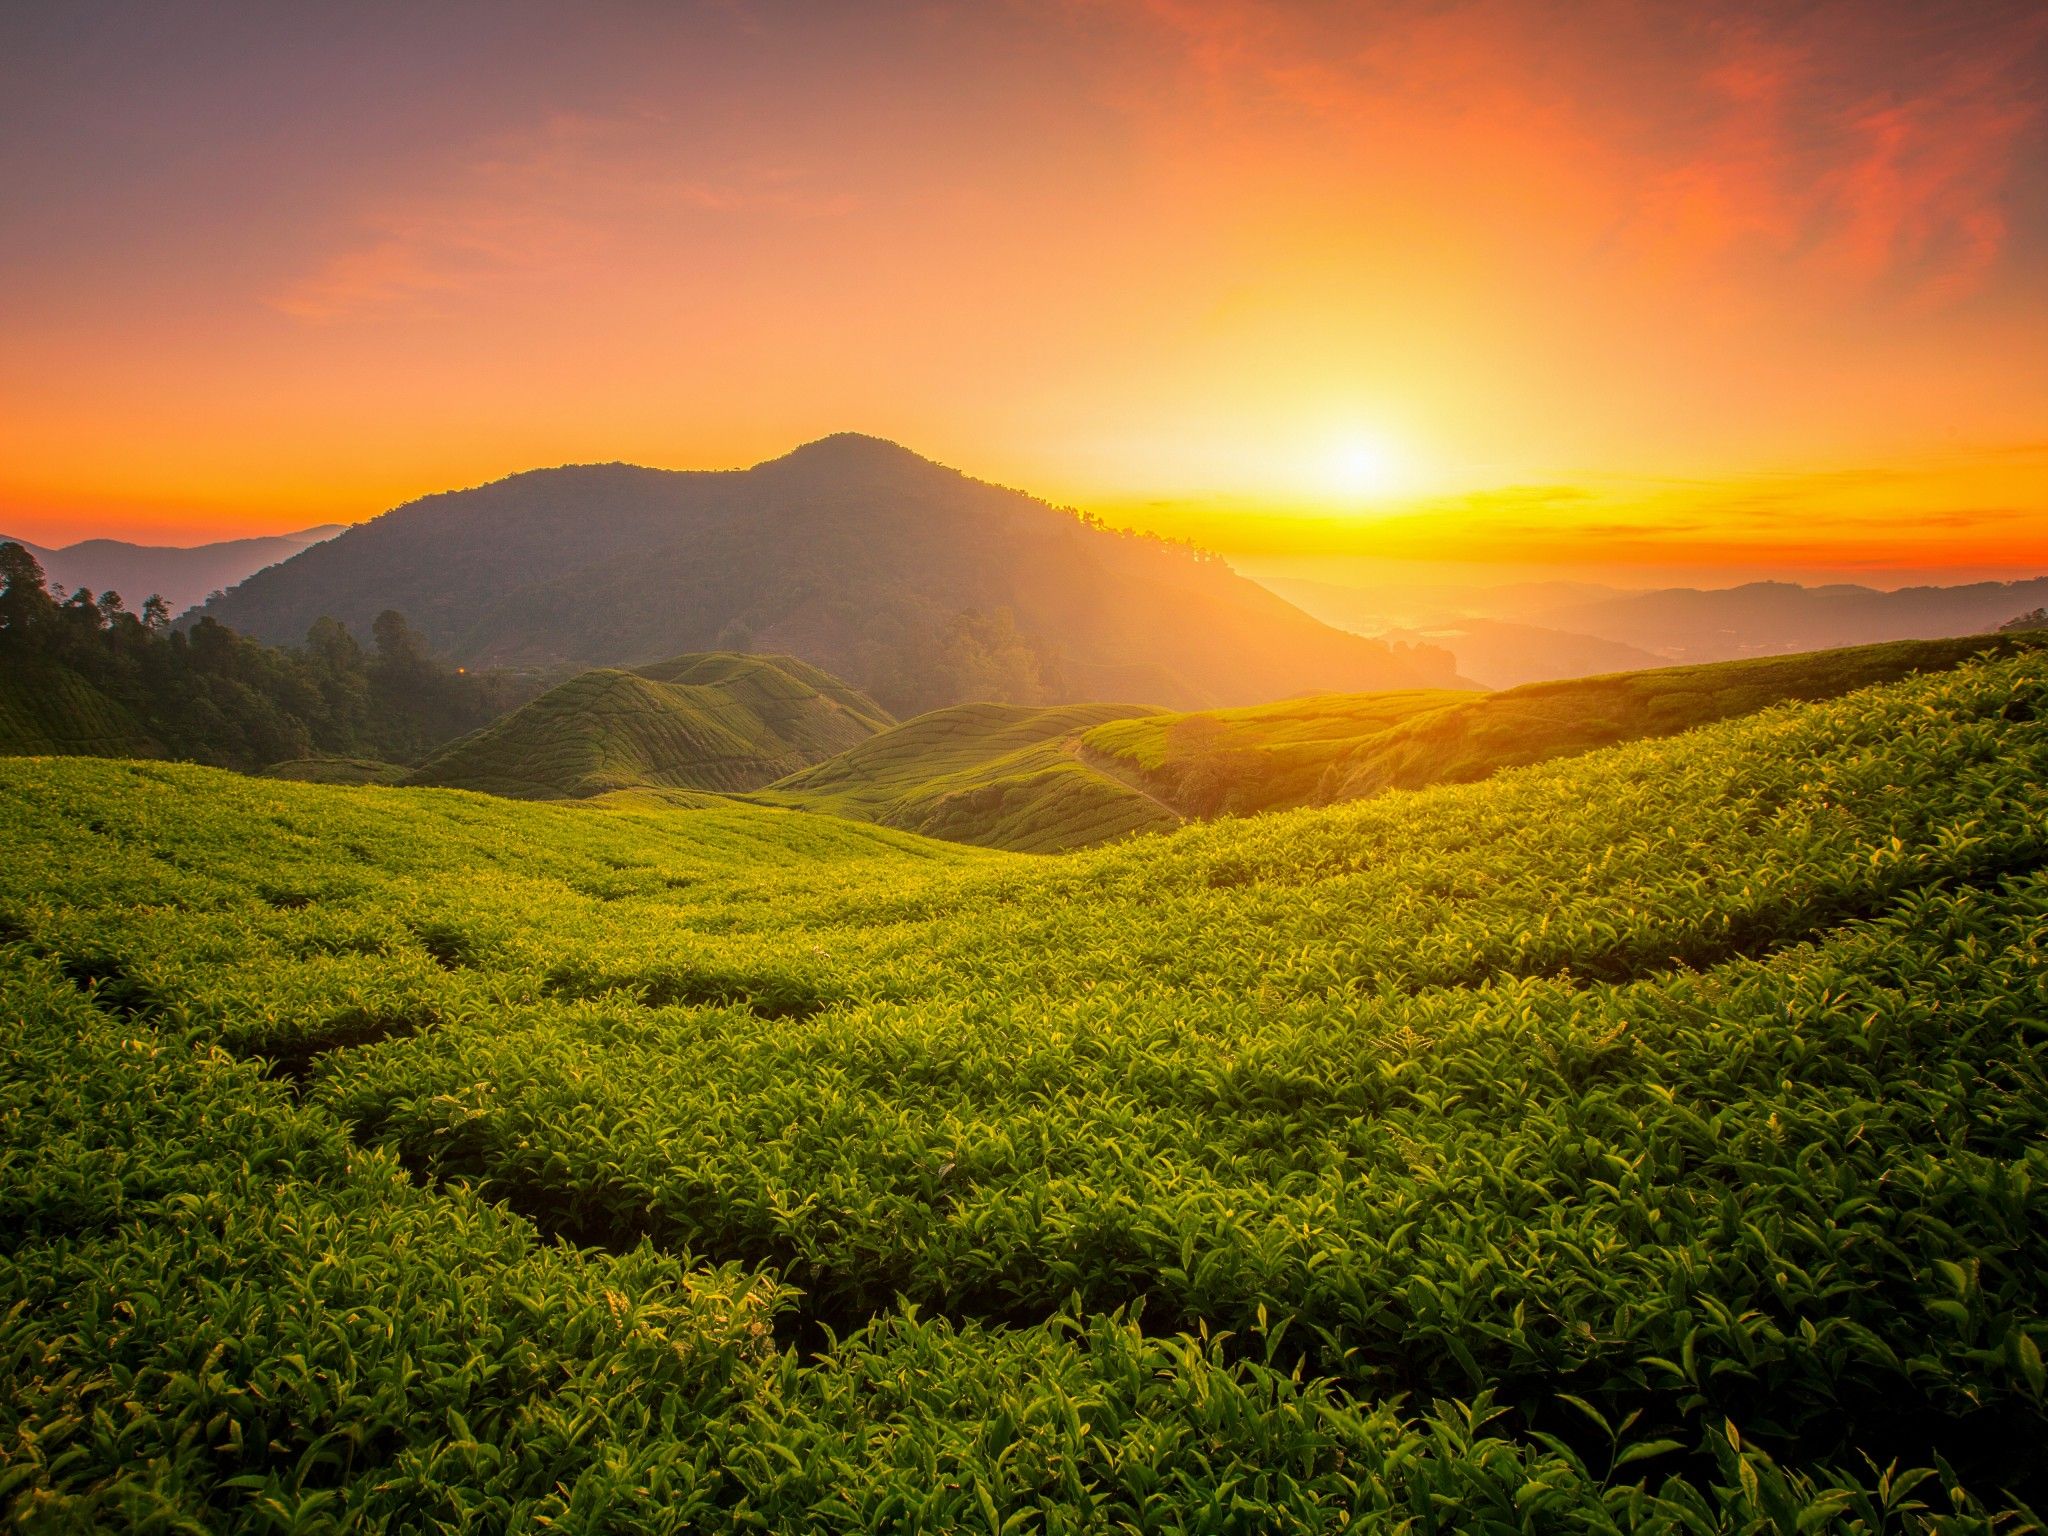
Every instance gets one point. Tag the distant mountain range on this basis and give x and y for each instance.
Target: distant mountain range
(180, 575)
(1507, 635)
(910, 580)
(1773, 617)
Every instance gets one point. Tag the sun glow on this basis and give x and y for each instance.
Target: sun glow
(1365, 466)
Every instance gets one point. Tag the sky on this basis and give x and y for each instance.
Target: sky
(1604, 286)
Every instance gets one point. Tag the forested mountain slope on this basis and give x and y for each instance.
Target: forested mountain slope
(910, 580)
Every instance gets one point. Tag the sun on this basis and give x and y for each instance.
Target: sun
(1364, 464)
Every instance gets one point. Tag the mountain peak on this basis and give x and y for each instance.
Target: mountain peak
(843, 449)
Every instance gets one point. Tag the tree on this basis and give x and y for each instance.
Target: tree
(398, 643)
(26, 608)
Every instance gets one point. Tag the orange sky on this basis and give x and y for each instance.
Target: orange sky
(1546, 282)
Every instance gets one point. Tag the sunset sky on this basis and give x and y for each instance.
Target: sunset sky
(1645, 288)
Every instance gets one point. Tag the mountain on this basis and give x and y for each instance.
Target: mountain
(181, 576)
(1494, 652)
(1374, 608)
(1530, 631)
(910, 580)
(717, 721)
(999, 775)
(1773, 617)
(1500, 654)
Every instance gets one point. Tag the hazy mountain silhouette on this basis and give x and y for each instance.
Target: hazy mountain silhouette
(907, 578)
(180, 575)
(1773, 617)
(1527, 631)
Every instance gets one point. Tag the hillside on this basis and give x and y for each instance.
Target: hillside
(1320, 750)
(181, 575)
(709, 722)
(338, 770)
(46, 707)
(912, 581)
(1645, 1143)
(998, 775)
(90, 676)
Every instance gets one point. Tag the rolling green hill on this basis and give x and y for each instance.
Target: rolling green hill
(715, 721)
(47, 708)
(1323, 749)
(1650, 1142)
(1000, 775)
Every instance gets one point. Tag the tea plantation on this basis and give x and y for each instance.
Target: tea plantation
(1320, 749)
(1648, 1141)
(998, 775)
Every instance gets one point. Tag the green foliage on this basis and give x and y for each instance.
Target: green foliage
(338, 770)
(46, 708)
(1321, 749)
(1651, 1142)
(712, 721)
(999, 775)
(86, 676)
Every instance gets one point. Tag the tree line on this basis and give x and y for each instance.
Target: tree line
(205, 694)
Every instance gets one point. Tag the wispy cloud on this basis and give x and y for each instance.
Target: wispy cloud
(1864, 145)
(545, 202)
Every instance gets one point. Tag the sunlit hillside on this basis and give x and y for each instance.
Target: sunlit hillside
(1651, 1139)
(715, 721)
(1318, 750)
(1001, 775)
(1394, 882)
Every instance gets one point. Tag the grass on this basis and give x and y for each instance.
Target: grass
(713, 721)
(997, 775)
(1646, 1142)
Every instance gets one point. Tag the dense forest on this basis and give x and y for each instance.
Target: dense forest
(209, 695)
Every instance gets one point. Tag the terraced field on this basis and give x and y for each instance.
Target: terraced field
(710, 721)
(45, 708)
(338, 770)
(998, 775)
(1652, 1141)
